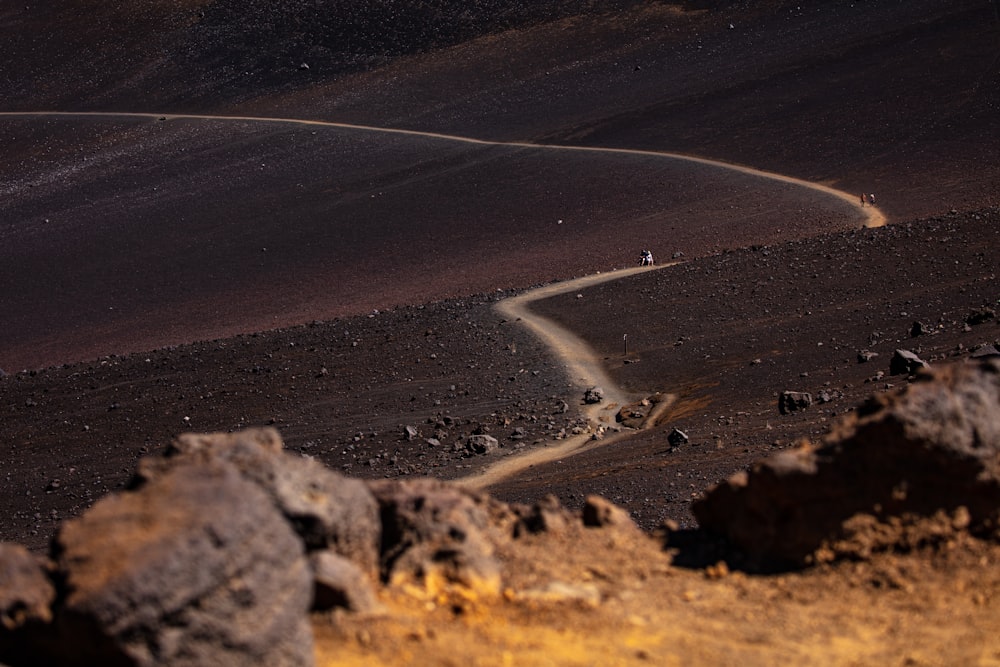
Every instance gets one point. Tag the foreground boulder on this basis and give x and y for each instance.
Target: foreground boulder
(932, 448)
(329, 511)
(195, 568)
(26, 597)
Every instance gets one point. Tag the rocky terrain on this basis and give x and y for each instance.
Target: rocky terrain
(166, 275)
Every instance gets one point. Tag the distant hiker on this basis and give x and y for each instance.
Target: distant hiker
(646, 258)
(862, 200)
(871, 199)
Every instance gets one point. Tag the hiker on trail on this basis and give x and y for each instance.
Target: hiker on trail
(646, 258)
(862, 200)
(871, 199)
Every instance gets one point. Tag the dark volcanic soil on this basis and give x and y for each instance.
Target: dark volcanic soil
(128, 235)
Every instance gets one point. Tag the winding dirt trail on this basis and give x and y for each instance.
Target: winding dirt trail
(873, 217)
(584, 369)
(583, 366)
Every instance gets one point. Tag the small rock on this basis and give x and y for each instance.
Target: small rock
(593, 395)
(905, 362)
(792, 401)
(481, 444)
(677, 438)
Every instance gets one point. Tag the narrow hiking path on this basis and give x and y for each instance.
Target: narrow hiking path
(583, 367)
(873, 216)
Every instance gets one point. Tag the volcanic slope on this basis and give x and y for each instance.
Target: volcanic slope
(195, 215)
(898, 98)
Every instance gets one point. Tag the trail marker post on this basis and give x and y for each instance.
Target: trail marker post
(625, 340)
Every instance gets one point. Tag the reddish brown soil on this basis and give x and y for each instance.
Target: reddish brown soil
(127, 235)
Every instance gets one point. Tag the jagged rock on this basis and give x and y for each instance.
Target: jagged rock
(410, 433)
(518, 433)
(793, 401)
(933, 446)
(593, 395)
(920, 329)
(600, 513)
(482, 444)
(338, 582)
(905, 362)
(327, 510)
(26, 597)
(436, 534)
(195, 568)
(677, 437)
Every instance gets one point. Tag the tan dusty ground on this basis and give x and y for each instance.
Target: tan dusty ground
(936, 607)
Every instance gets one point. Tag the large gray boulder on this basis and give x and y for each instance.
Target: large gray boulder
(931, 449)
(328, 511)
(197, 567)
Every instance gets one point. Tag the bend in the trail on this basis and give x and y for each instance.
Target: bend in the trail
(584, 370)
(873, 217)
(583, 366)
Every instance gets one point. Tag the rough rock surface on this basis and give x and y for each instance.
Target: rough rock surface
(328, 510)
(482, 444)
(339, 582)
(197, 567)
(434, 532)
(26, 596)
(25, 591)
(932, 447)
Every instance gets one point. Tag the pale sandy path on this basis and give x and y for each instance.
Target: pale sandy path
(583, 366)
(584, 369)
(873, 217)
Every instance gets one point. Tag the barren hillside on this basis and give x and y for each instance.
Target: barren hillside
(252, 241)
